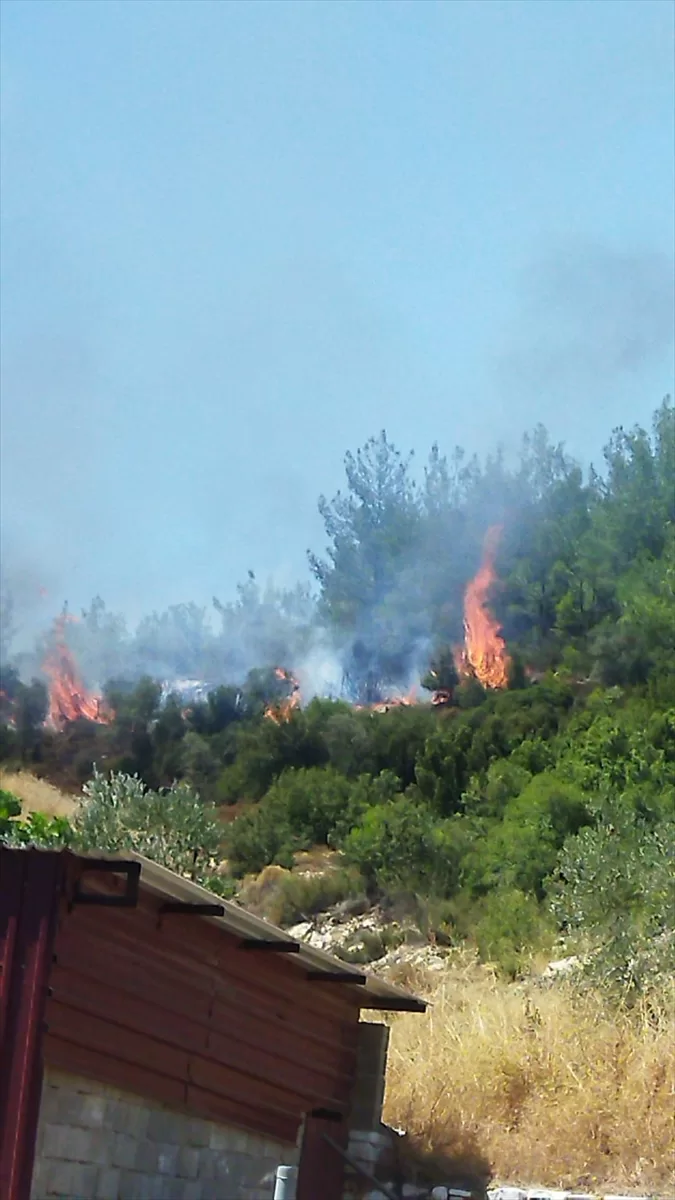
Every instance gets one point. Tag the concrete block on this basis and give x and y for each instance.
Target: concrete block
(108, 1184)
(117, 1116)
(221, 1138)
(49, 1105)
(193, 1189)
(173, 1189)
(39, 1182)
(237, 1140)
(76, 1181)
(127, 1185)
(167, 1159)
(164, 1127)
(136, 1185)
(148, 1188)
(94, 1111)
(136, 1121)
(147, 1157)
(275, 1151)
(130, 1185)
(188, 1162)
(123, 1151)
(198, 1132)
(94, 1146)
(69, 1142)
(85, 1087)
(207, 1164)
(54, 1141)
(226, 1168)
(212, 1189)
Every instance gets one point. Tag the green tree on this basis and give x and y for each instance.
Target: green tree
(615, 890)
(199, 764)
(372, 531)
(399, 847)
(522, 849)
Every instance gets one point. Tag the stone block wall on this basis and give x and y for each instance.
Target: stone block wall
(97, 1143)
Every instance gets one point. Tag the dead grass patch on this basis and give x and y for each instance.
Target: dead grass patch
(551, 1086)
(36, 795)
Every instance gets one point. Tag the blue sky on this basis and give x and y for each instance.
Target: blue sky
(239, 238)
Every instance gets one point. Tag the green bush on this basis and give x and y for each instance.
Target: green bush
(614, 889)
(399, 846)
(303, 808)
(258, 837)
(173, 827)
(521, 850)
(509, 927)
(363, 947)
(302, 896)
(35, 829)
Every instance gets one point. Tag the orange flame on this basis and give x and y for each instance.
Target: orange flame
(69, 699)
(282, 710)
(383, 706)
(484, 653)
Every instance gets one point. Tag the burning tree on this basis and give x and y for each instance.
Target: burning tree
(281, 709)
(69, 698)
(442, 677)
(484, 654)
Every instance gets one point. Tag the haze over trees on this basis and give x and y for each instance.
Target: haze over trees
(515, 816)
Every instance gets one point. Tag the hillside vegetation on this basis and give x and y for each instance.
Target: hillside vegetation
(512, 819)
(506, 826)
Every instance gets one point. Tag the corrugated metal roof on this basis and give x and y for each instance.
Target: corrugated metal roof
(371, 991)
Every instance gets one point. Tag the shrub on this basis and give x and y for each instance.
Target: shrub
(285, 897)
(307, 807)
(173, 827)
(511, 926)
(615, 888)
(35, 829)
(399, 846)
(257, 839)
(522, 849)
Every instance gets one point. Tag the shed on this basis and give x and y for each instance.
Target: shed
(157, 1043)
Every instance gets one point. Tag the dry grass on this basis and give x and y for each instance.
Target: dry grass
(550, 1086)
(37, 795)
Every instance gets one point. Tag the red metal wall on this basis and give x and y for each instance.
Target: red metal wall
(171, 1008)
(30, 886)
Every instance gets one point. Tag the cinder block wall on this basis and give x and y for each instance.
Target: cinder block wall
(97, 1143)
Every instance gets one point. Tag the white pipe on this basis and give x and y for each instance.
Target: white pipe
(284, 1184)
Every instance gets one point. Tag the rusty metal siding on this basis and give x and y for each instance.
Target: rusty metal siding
(321, 1172)
(172, 1007)
(30, 887)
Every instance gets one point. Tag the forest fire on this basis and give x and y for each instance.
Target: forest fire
(282, 709)
(484, 654)
(69, 699)
(383, 706)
